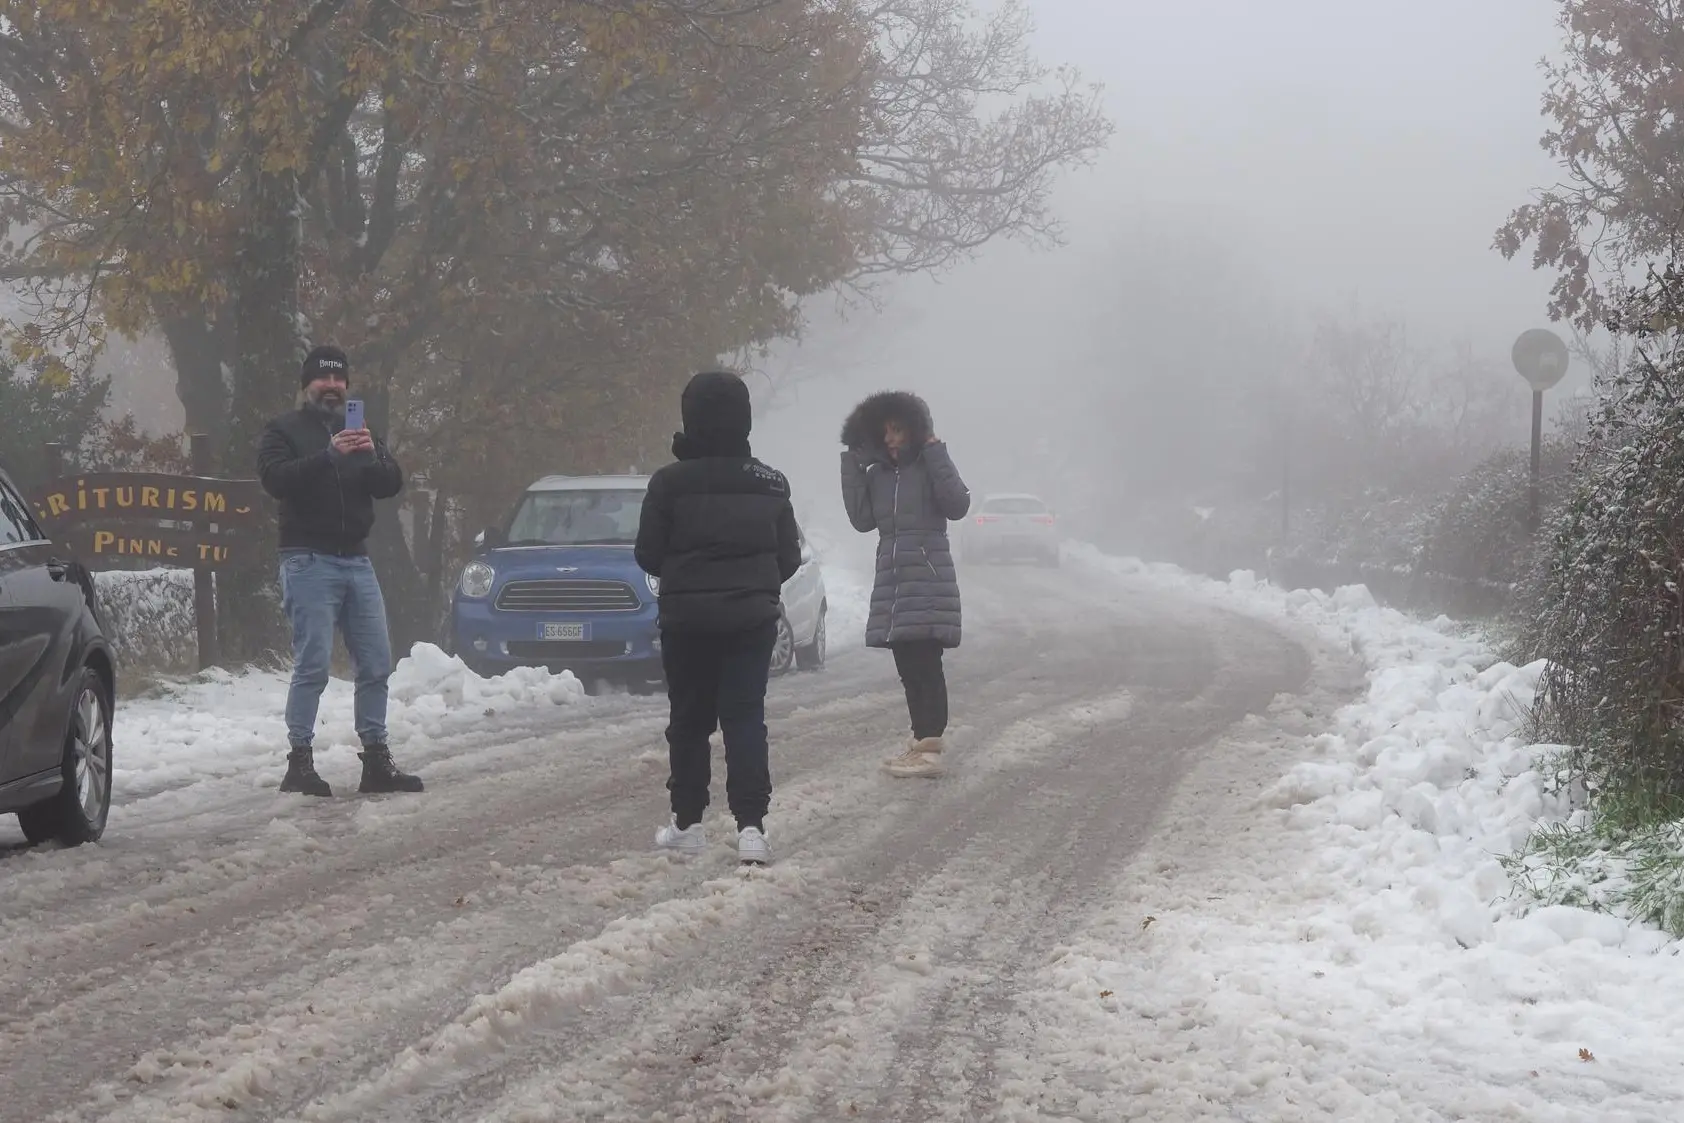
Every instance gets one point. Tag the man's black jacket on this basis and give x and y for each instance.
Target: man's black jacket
(719, 532)
(327, 501)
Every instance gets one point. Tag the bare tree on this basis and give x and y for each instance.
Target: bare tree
(1372, 377)
(940, 172)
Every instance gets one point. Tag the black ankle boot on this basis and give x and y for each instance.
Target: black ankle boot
(301, 774)
(380, 775)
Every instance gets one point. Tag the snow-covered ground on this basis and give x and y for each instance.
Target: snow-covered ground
(506, 945)
(219, 725)
(1139, 895)
(1346, 945)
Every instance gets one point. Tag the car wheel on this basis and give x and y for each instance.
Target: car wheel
(1053, 560)
(811, 657)
(783, 648)
(78, 812)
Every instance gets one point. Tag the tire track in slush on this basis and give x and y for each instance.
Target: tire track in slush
(938, 895)
(584, 978)
(778, 927)
(420, 986)
(286, 928)
(896, 1017)
(283, 956)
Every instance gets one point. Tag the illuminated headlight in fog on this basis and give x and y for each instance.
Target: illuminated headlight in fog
(477, 579)
(653, 582)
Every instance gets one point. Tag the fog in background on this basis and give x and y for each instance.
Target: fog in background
(1277, 167)
(1274, 163)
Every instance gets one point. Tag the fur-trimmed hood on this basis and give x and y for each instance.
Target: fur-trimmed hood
(864, 427)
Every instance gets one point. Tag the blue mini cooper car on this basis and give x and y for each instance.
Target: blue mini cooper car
(558, 588)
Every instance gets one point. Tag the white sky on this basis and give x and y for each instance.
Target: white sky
(1294, 155)
(1368, 146)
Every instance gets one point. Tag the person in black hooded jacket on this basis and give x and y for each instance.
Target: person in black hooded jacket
(718, 532)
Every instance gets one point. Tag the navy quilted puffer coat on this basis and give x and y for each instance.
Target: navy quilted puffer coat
(915, 595)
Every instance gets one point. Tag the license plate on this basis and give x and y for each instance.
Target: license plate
(574, 631)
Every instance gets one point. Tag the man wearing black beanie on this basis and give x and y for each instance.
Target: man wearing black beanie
(327, 478)
(718, 531)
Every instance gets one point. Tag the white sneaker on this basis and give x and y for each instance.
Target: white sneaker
(690, 841)
(752, 847)
(922, 758)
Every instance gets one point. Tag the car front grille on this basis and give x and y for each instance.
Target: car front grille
(562, 651)
(567, 596)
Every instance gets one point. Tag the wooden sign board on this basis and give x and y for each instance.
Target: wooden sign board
(120, 519)
(162, 546)
(104, 496)
(194, 522)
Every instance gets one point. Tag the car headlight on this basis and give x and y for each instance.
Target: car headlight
(477, 579)
(654, 584)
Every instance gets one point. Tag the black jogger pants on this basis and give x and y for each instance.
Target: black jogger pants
(718, 681)
(919, 664)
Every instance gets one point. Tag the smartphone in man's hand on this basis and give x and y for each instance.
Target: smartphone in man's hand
(354, 420)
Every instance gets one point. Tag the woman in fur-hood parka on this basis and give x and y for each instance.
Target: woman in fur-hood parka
(899, 480)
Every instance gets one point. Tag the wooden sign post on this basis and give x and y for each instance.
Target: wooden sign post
(197, 522)
(204, 580)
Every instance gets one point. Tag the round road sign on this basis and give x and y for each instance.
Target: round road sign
(1540, 357)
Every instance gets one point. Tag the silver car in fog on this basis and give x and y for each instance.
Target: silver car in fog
(1010, 526)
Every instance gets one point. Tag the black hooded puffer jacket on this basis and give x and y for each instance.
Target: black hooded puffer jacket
(717, 527)
(915, 594)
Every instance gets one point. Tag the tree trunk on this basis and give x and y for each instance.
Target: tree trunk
(201, 348)
(401, 583)
(268, 351)
(437, 526)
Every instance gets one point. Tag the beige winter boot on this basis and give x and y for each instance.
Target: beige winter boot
(922, 758)
(906, 753)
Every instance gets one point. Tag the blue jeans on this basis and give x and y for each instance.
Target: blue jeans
(319, 592)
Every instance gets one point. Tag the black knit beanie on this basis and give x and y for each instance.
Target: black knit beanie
(326, 360)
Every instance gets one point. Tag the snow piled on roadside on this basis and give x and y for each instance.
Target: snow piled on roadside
(1349, 946)
(150, 614)
(221, 725)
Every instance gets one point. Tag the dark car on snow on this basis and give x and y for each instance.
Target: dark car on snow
(57, 684)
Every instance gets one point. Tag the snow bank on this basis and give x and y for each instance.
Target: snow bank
(846, 565)
(220, 725)
(150, 614)
(849, 598)
(1365, 956)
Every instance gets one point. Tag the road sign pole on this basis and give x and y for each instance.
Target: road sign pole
(1537, 451)
(1540, 357)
